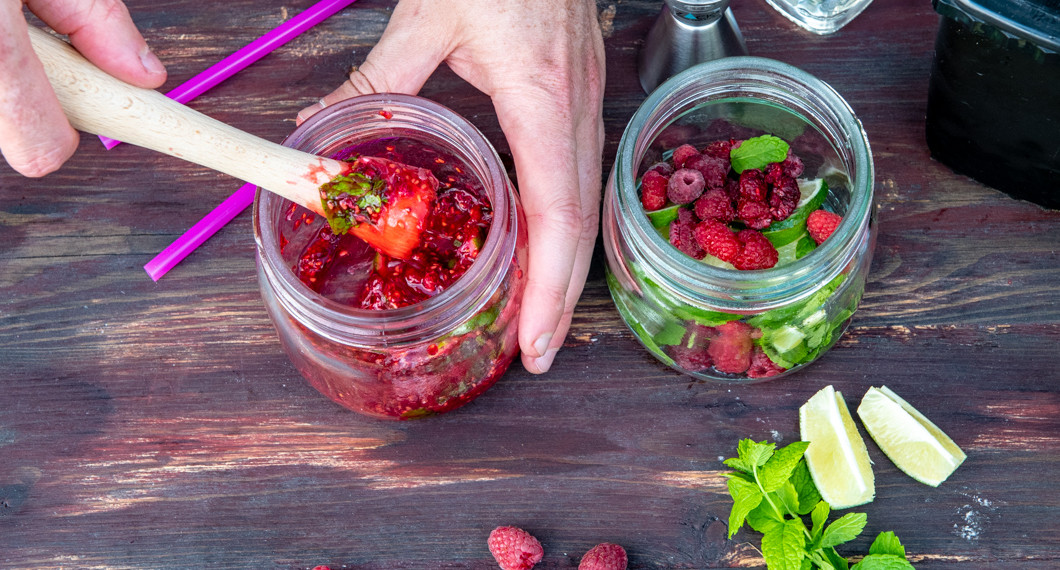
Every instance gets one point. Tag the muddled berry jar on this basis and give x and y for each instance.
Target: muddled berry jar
(396, 338)
(793, 295)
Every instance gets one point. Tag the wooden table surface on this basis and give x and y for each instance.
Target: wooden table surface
(160, 425)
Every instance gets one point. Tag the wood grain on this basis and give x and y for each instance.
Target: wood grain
(160, 425)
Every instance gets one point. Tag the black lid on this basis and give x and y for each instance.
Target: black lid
(1036, 21)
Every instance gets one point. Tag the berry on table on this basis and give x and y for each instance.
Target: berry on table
(821, 224)
(514, 548)
(604, 556)
(685, 186)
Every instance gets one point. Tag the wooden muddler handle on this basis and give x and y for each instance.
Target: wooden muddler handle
(97, 103)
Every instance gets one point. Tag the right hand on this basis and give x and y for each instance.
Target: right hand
(35, 136)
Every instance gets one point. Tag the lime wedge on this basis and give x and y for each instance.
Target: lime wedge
(810, 191)
(837, 456)
(661, 218)
(917, 446)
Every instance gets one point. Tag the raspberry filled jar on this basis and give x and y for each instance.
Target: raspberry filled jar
(785, 279)
(399, 338)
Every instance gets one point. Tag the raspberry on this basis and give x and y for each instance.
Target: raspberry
(718, 240)
(757, 253)
(681, 234)
(685, 186)
(762, 366)
(753, 185)
(774, 171)
(715, 171)
(653, 190)
(664, 168)
(821, 224)
(514, 548)
(683, 153)
(784, 197)
(792, 165)
(753, 213)
(720, 149)
(604, 556)
(715, 205)
(692, 353)
(731, 350)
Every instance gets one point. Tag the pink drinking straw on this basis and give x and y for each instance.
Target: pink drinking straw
(244, 197)
(252, 52)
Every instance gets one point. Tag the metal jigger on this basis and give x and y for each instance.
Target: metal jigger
(688, 32)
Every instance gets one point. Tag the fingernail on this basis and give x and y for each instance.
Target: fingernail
(151, 62)
(545, 362)
(541, 345)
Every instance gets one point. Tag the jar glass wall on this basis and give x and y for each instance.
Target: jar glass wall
(421, 359)
(780, 319)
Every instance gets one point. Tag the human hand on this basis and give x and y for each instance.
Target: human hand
(542, 64)
(35, 136)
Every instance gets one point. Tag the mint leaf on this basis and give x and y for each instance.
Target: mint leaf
(745, 496)
(786, 498)
(755, 454)
(785, 546)
(844, 529)
(809, 496)
(758, 152)
(887, 543)
(819, 516)
(833, 557)
(764, 517)
(882, 562)
(739, 465)
(776, 472)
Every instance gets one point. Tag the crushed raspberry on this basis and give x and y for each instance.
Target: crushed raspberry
(683, 153)
(514, 549)
(754, 214)
(774, 172)
(784, 197)
(718, 240)
(715, 204)
(685, 186)
(653, 190)
(793, 166)
(604, 556)
(663, 167)
(753, 186)
(762, 366)
(681, 234)
(715, 171)
(731, 349)
(821, 224)
(757, 252)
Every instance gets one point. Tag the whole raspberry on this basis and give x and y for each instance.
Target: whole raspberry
(718, 240)
(793, 166)
(514, 548)
(683, 153)
(685, 186)
(731, 349)
(653, 190)
(762, 366)
(663, 167)
(692, 353)
(753, 213)
(720, 149)
(774, 171)
(821, 224)
(753, 185)
(715, 205)
(757, 252)
(681, 234)
(784, 197)
(715, 171)
(604, 556)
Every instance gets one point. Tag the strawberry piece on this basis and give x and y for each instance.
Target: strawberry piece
(604, 556)
(514, 548)
(383, 202)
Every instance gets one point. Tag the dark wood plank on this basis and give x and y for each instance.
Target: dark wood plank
(159, 425)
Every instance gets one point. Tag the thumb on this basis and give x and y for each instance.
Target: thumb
(401, 62)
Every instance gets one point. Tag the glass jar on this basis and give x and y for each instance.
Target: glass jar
(425, 358)
(687, 312)
(820, 16)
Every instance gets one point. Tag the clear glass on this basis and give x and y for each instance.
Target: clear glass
(674, 303)
(820, 16)
(414, 361)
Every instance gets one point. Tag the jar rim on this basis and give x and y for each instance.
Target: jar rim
(745, 289)
(402, 114)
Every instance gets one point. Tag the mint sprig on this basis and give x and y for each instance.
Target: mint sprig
(772, 491)
(758, 152)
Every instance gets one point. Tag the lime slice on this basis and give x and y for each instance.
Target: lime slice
(662, 217)
(837, 457)
(810, 191)
(917, 446)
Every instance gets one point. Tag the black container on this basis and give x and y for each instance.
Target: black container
(994, 98)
